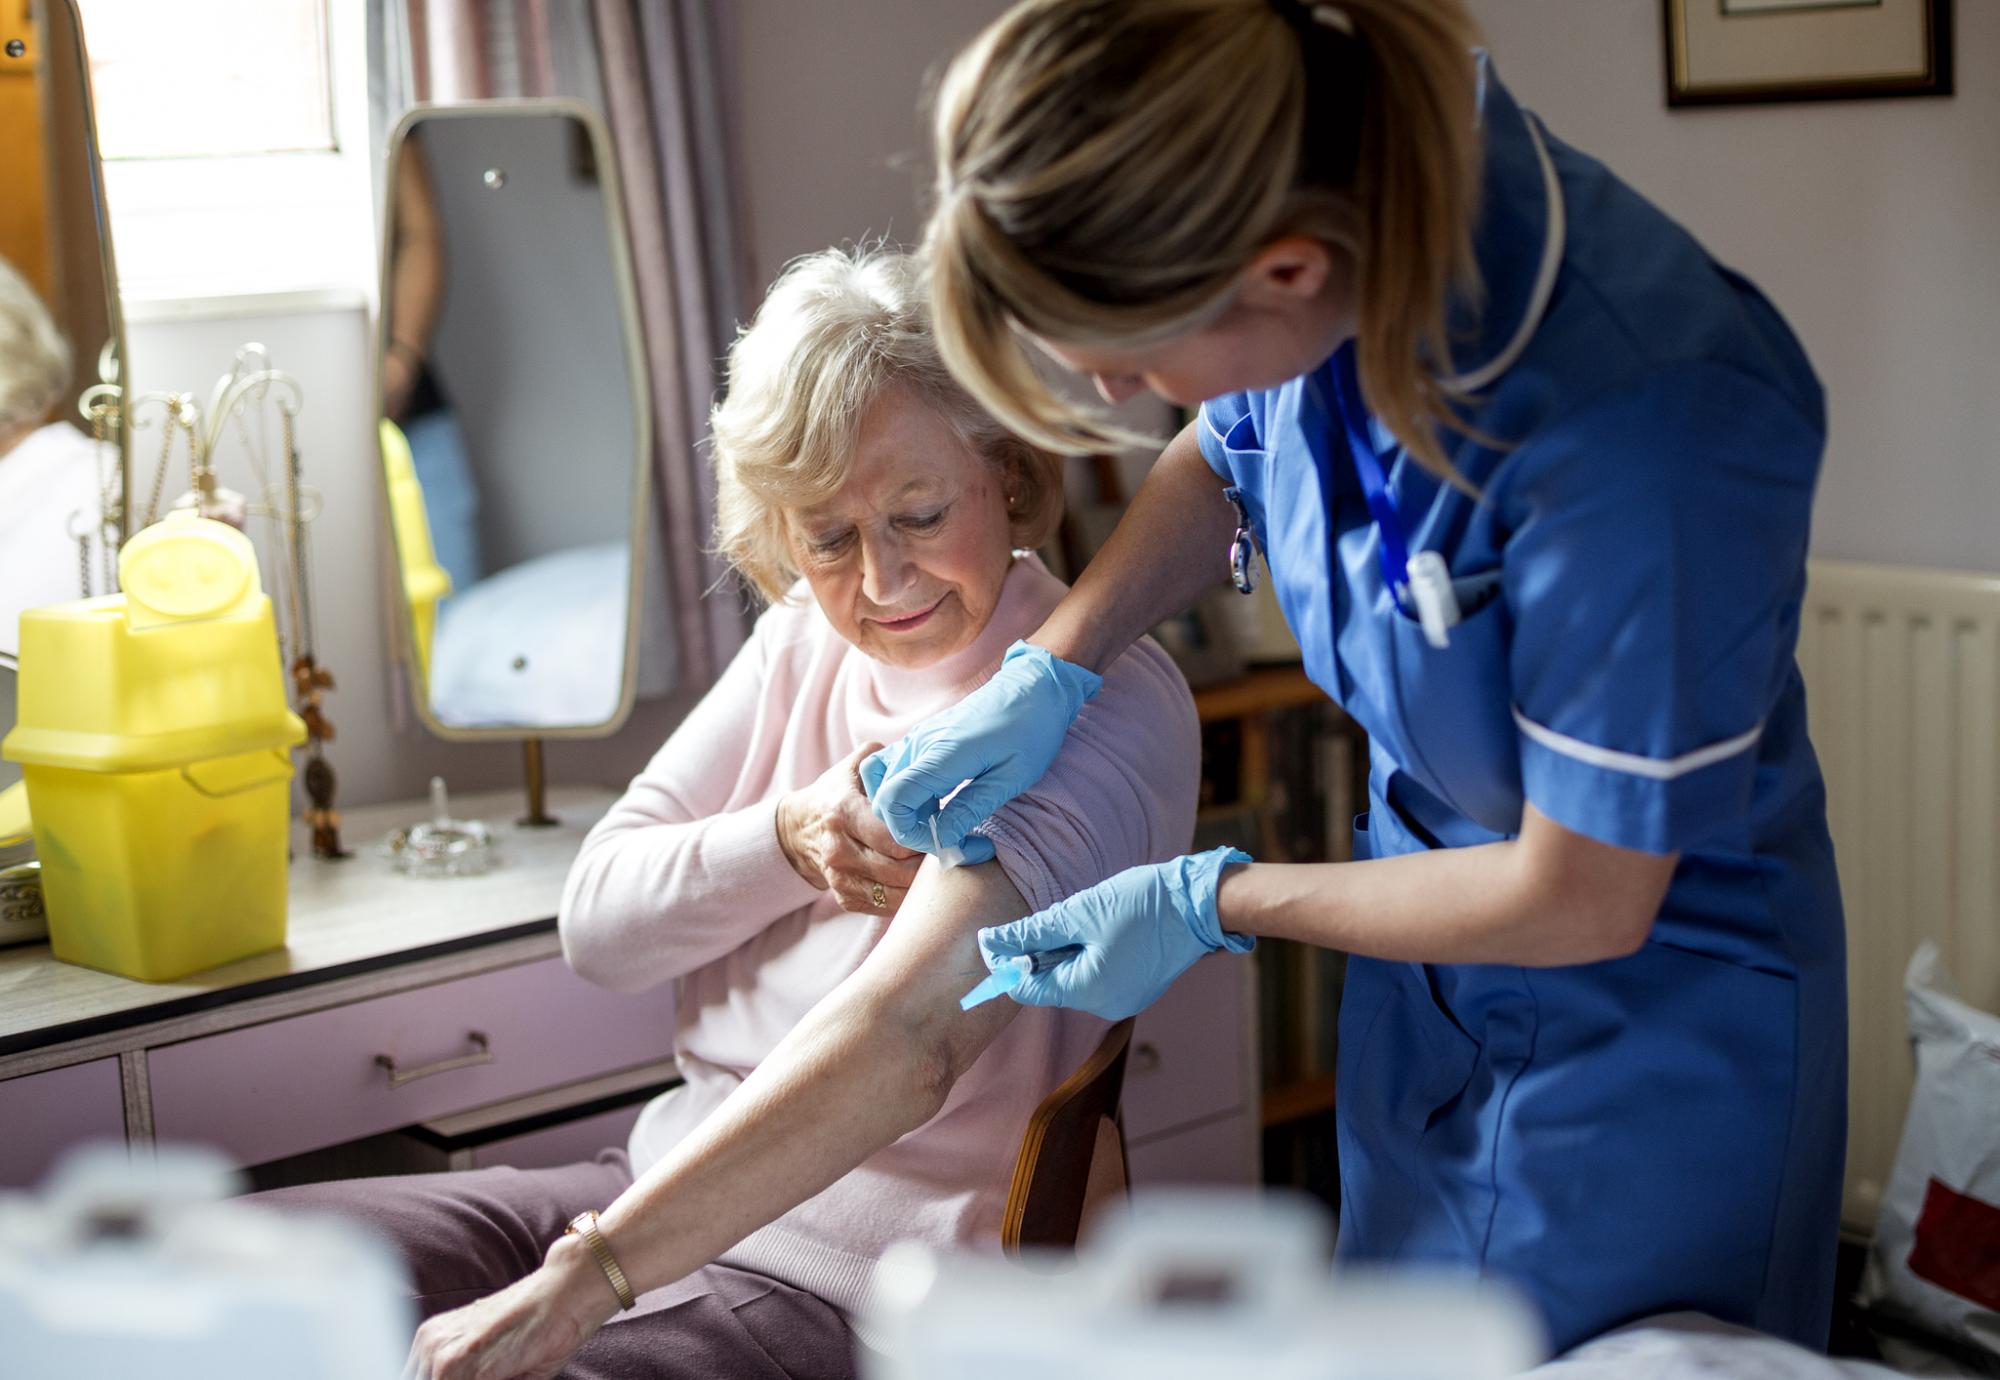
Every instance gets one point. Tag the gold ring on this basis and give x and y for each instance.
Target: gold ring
(878, 896)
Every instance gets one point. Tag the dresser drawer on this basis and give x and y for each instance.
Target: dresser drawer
(293, 1085)
(1217, 1152)
(567, 1142)
(1188, 1059)
(44, 1114)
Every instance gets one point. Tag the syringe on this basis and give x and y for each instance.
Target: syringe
(1008, 973)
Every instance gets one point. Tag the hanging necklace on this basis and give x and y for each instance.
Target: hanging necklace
(102, 525)
(309, 678)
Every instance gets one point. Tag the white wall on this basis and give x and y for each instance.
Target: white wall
(1874, 226)
(831, 143)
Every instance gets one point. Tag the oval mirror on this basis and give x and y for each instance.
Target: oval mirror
(515, 422)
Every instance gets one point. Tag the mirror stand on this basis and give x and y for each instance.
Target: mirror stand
(538, 816)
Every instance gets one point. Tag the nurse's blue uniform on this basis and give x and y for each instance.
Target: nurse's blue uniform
(1659, 1132)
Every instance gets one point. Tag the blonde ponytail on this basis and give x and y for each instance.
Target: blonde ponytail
(1108, 168)
(1416, 183)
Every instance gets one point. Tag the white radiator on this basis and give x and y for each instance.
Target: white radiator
(1902, 672)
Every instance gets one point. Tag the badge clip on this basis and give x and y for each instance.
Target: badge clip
(1242, 547)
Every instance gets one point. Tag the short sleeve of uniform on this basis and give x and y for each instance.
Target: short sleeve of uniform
(1224, 424)
(1654, 571)
(1120, 793)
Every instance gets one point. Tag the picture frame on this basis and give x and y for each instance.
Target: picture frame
(1742, 52)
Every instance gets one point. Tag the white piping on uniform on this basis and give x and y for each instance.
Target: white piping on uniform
(1545, 276)
(1630, 762)
(1202, 412)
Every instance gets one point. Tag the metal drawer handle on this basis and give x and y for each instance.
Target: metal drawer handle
(483, 1054)
(1145, 1057)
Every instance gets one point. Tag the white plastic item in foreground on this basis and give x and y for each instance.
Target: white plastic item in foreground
(135, 1269)
(1693, 1346)
(1937, 1237)
(1189, 1284)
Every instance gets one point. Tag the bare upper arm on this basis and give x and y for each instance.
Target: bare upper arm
(929, 958)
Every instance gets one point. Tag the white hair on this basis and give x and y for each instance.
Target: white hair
(34, 357)
(837, 329)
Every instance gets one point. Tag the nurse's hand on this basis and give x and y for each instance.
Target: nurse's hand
(1000, 738)
(1139, 930)
(527, 1331)
(832, 840)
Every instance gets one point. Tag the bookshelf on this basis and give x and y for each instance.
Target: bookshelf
(1256, 691)
(1297, 1100)
(1283, 773)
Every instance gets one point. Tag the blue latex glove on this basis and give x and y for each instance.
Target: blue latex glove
(1000, 739)
(1139, 930)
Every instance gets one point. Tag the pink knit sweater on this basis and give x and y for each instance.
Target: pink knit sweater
(683, 881)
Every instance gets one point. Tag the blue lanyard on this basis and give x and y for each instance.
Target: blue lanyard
(1393, 550)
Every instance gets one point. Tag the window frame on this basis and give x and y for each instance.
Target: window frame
(220, 234)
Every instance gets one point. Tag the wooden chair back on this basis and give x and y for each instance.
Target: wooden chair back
(1073, 1154)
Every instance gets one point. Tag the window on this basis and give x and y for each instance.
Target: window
(235, 143)
(202, 78)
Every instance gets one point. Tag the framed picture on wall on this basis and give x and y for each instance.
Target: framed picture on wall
(1733, 52)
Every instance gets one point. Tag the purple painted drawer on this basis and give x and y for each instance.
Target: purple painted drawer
(272, 1090)
(1217, 1152)
(45, 1114)
(1187, 1059)
(565, 1143)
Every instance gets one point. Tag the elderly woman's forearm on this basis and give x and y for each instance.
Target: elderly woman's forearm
(1145, 573)
(849, 1080)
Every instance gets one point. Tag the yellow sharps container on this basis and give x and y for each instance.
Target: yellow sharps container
(153, 738)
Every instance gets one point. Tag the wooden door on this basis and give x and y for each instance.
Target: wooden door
(24, 230)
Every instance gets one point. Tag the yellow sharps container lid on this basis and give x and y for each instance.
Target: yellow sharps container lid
(187, 567)
(180, 667)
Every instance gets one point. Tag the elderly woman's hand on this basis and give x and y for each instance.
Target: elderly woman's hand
(833, 839)
(527, 1331)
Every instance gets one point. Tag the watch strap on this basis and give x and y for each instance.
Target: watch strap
(584, 1224)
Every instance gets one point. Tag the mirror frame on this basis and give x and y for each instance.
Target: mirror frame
(44, 11)
(403, 620)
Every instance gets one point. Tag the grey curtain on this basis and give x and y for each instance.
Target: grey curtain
(656, 71)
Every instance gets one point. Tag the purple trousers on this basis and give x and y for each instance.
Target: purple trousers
(466, 1235)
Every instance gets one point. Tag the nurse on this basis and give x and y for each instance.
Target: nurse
(1532, 476)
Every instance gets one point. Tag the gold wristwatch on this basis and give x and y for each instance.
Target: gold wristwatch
(584, 1224)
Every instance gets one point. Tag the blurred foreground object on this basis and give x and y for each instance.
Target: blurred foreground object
(1188, 1284)
(139, 1268)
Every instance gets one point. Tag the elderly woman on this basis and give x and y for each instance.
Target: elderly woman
(836, 1097)
(51, 496)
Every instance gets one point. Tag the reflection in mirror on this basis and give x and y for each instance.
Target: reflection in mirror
(515, 423)
(61, 466)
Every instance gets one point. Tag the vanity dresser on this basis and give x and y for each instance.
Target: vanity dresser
(432, 1023)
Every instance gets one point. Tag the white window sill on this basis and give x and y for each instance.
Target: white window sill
(219, 306)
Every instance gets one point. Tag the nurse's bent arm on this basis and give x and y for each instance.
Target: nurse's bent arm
(1547, 898)
(1169, 549)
